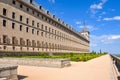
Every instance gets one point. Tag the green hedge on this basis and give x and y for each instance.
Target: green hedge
(71, 56)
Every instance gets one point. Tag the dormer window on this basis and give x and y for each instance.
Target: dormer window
(31, 1)
(40, 7)
(21, 6)
(53, 16)
(14, 2)
(47, 12)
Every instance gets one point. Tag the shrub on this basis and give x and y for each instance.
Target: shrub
(75, 59)
(71, 54)
(64, 55)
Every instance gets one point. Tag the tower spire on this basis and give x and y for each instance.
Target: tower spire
(85, 32)
(84, 29)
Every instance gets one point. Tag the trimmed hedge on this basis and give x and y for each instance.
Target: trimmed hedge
(71, 56)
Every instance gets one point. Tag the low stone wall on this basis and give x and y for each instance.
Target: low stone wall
(58, 63)
(8, 72)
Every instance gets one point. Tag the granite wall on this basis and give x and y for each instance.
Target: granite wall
(44, 62)
(8, 72)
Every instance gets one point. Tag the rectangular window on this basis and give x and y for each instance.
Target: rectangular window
(13, 15)
(41, 33)
(42, 27)
(27, 9)
(13, 25)
(4, 23)
(49, 30)
(4, 47)
(37, 14)
(42, 17)
(4, 11)
(46, 34)
(52, 30)
(33, 43)
(38, 43)
(21, 41)
(27, 48)
(32, 31)
(4, 39)
(21, 6)
(27, 20)
(31, 1)
(20, 27)
(32, 23)
(21, 48)
(20, 18)
(14, 2)
(45, 19)
(40, 7)
(38, 25)
(27, 29)
(55, 32)
(27, 42)
(33, 12)
(13, 47)
(13, 40)
(46, 28)
(37, 32)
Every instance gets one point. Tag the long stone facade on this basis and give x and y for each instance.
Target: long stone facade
(26, 26)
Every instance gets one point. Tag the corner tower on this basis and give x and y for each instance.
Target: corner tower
(85, 32)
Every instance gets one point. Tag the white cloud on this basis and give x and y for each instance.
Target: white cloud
(116, 18)
(112, 9)
(103, 13)
(95, 7)
(93, 44)
(113, 18)
(103, 39)
(114, 37)
(61, 12)
(89, 27)
(99, 5)
(53, 1)
(78, 22)
(99, 18)
(107, 19)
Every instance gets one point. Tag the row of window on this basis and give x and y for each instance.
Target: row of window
(37, 44)
(27, 21)
(21, 18)
(44, 49)
(40, 16)
(43, 33)
(27, 30)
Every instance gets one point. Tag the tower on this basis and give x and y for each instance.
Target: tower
(85, 32)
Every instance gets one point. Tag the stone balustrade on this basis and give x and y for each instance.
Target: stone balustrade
(116, 63)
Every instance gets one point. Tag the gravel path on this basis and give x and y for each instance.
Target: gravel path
(95, 69)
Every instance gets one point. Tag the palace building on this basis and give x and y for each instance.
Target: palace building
(26, 26)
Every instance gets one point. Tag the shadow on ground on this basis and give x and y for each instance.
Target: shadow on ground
(21, 77)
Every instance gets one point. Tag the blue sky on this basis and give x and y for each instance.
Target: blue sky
(102, 20)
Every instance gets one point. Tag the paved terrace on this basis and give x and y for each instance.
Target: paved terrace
(96, 69)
